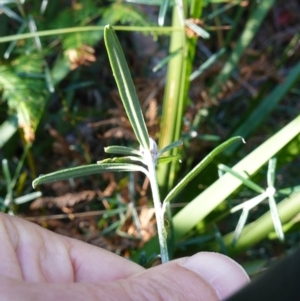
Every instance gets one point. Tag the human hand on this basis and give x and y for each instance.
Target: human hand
(37, 264)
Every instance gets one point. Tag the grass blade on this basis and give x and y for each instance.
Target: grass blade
(27, 198)
(197, 29)
(209, 62)
(125, 86)
(174, 102)
(86, 170)
(271, 172)
(248, 205)
(190, 215)
(245, 181)
(251, 28)
(164, 61)
(198, 168)
(240, 226)
(7, 129)
(162, 12)
(265, 107)
(276, 218)
(10, 13)
(7, 176)
(263, 226)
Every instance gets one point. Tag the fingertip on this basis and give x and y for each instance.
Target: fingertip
(224, 274)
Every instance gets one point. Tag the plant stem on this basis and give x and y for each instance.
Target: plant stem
(51, 32)
(159, 213)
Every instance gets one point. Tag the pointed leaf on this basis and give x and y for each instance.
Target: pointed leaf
(271, 172)
(10, 13)
(167, 159)
(289, 190)
(86, 170)
(246, 182)
(240, 226)
(125, 86)
(197, 29)
(248, 205)
(13, 43)
(219, 239)
(164, 61)
(128, 159)
(198, 168)
(170, 146)
(162, 12)
(276, 218)
(209, 62)
(122, 150)
(27, 198)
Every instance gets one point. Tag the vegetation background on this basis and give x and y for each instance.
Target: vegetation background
(213, 70)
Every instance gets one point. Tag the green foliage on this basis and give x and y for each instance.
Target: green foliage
(235, 83)
(148, 153)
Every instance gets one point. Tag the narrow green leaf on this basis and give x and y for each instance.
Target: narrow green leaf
(7, 175)
(43, 33)
(162, 12)
(198, 168)
(251, 27)
(28, 197)
(48, 78)
(246, 182)
(170, 146)
(11, 14)
(166, 60)
(209, 62)
(197, 29)
(127, 159)
(289, 190)
(271, 172)
(86, 170)
(194, 241)
(219, 239)
(7, 129)
(167, 159)
(240, 226)
(13, 43)
(260, 228)
(276, 218)
(125, 86)
(265, 106)
(248, 205)
(122, 150)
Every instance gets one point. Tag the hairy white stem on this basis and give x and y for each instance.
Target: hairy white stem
(150, 157)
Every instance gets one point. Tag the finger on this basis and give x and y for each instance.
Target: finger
(202, 277)
(205, 276)
(35, 254)
(225, 275)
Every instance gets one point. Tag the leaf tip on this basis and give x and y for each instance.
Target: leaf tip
(161, 21)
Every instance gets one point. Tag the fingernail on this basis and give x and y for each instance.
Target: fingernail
(224, 274)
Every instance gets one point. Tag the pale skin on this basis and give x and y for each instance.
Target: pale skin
(37, 264)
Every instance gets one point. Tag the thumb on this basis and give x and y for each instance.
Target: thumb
(205, 276)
